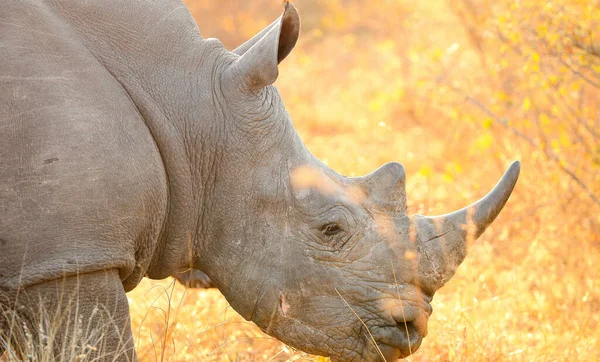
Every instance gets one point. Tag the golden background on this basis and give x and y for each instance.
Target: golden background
(454, 90)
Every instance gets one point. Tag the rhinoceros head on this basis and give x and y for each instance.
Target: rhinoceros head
(328, 264)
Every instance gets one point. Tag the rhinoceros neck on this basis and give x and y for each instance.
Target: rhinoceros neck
(177, 107)
(155, 51)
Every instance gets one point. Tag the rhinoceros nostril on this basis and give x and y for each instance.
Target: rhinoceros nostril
(414, 328)
(415, 318)
(411, 333)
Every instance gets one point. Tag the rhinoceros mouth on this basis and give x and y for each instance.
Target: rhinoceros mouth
(399, 341)
(399, 336)
(393, 353)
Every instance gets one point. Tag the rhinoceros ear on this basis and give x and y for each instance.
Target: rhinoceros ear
(259, 57)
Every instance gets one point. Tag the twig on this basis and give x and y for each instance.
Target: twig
(531, 142)
(497, 119)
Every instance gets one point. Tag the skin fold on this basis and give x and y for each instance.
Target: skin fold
(131, 146)
(194, 278)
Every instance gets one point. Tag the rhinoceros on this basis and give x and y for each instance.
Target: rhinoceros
(131, 146)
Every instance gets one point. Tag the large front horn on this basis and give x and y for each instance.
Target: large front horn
(442, 240)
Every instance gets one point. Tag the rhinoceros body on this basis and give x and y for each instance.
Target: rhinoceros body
(130, 146)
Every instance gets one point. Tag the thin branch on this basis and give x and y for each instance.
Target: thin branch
(579, 74)
(501, 121)
(551, 155)
(574, 177)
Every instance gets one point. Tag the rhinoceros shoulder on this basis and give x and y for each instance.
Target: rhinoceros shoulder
(82, 184)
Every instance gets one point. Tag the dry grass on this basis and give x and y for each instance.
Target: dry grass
(172, 324)
(38, 334)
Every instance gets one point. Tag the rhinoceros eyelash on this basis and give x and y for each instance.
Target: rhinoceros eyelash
(331, 229)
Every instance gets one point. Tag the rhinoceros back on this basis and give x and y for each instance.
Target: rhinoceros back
(82, 185)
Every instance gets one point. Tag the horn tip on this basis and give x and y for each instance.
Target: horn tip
(514, 170)
(287, 5)
(515, 165)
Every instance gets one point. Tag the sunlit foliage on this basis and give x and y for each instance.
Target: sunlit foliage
(454, 90)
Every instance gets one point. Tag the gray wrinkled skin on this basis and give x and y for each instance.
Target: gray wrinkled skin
(130, 144)
(194, 278)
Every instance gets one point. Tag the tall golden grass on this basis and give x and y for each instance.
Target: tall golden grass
(454, 90)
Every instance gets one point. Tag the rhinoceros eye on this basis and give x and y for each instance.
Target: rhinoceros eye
(331, 229)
